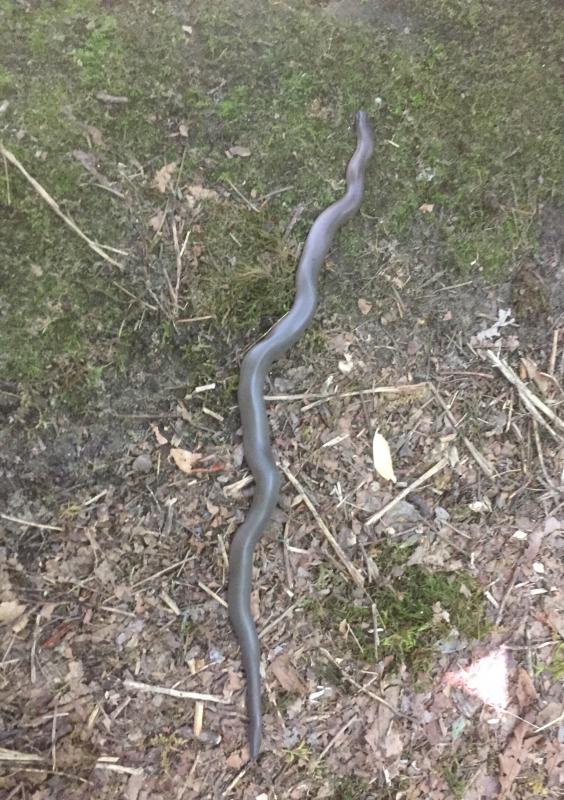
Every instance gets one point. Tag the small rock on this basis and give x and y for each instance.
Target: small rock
(142, 463)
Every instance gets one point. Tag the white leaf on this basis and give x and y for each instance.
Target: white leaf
(382, 458)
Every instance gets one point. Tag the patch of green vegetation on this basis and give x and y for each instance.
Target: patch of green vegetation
(409, 600)
(471, 107)
(555, 666)
(350, 788)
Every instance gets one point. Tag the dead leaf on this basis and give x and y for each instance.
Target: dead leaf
(163, 176)
(534, 374)
(426, 208)
(183, 129)
(95, 135)
(239, 150)
(287, 675)
(524, 690)
(10, 610)
(512, 760)
(158, 435)
(184, 459)
(236, 760)
(382, 458)
(202, 193)
(88, 160)
(364, 306)
(157, 220)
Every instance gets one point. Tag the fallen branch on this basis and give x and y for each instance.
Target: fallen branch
(474, 452)
(532, 403)
(444, 462)
(355, 574)
(198, 696)
(97, 248)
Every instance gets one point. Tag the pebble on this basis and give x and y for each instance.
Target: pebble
(142, 463)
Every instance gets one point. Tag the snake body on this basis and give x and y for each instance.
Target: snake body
(256, 439)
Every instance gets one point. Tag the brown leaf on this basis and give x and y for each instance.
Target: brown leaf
(95, 135)
(426, 208)
(287, 675)
(185, 459)
(239, 150)
(236, 760)
(157, 220)
(512, 760)
(10, 610)
(202, 193)
(163, 176)
(524, 690)
(534, 374)
(364, 306)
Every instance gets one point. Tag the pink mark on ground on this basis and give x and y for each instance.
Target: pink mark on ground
(486, 679)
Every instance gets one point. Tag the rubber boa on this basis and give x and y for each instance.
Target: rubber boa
(256, 439)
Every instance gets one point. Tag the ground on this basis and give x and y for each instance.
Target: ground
(192, 144)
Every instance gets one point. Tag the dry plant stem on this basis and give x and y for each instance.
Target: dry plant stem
(182, 695)
(440, 465)
(315, 763)
(530, 400)
(474, 452)
(30, 523)
(97, 248)
(362, 688)
(354, 573)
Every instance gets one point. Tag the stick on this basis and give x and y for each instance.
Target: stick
(533, 403)
(474, 452)
(245, 200)
(31, 524)
(349, 566)
(408, 489)
(408, 388)
(315, 763)
(198, 696)
(57, 209)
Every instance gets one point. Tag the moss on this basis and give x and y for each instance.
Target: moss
(405, 598)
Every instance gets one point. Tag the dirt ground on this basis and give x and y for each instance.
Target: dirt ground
(424, 656)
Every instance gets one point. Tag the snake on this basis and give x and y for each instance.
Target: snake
(257, 448)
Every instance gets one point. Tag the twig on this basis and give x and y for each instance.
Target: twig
(237, 779)
(57, 209)
(550, 724)
(54, 737)
(211, 593)
(408, 388)
(441, 464)
(553, 352)
(269, 626)
(179, 693)
(315, 763)
(533, 403)
(245, 200)
(339, 552)
(362, 688)
(16, 755)
(188, 320)
(118, 768)
(265, 197)
(474, 452)
(30, 523)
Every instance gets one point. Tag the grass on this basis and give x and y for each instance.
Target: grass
(408, 599)
(470, 108)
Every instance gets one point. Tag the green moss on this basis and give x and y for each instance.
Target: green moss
(405, 599)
